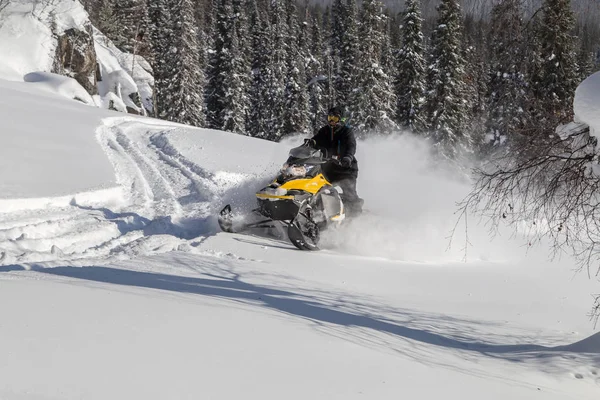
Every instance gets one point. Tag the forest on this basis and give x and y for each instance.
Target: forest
(471, 81)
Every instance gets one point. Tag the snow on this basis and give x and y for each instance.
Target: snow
(26, 25)
(113, 267)
(49, 145)
(118, 79)
(587, 103)
(115, 281)
(62, 85)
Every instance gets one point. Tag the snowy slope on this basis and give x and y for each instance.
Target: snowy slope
(116, 282)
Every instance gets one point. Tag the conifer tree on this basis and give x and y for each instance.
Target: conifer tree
(410, 70)
(296, 96)
(183, 98)
(161, 36)
(275, 72)
(348, 53)
(107, 23)
(507, 84)
(329, 64)
(315, 74)
(131, 19)
(585, 62)
(371, 102)
(556, 78)
(220, 65)
(337, 33)
(445, 102)
(234, 103)
(257, 122)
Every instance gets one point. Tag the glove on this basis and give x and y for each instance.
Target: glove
(309, 143)
(346, 162)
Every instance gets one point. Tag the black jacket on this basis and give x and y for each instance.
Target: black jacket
(340, 142)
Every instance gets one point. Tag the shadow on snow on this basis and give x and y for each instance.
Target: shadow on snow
(228, 285)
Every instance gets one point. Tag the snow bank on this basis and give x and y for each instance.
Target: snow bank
(49, 148)
(61, 85)
(587, 103)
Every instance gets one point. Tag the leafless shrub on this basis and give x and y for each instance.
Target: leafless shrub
(552, 189)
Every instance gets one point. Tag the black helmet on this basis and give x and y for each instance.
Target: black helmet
(337, 111)
(335, 116)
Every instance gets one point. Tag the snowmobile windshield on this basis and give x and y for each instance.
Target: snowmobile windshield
(304, 155)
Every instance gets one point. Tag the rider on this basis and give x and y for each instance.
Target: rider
(337, 140)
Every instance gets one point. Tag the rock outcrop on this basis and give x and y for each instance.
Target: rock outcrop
(76, 58)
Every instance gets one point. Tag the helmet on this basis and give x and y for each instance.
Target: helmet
(335, 115)
(337, 111)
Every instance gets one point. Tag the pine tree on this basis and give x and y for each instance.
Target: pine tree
(161, 35)
(556, 79)
(585, 62)
(348, 54)
(107, 23)
(371, 102)
(257, 122)
(296, 111)
(131, 19)
(410, 70)
(329, 64)
(183, 98)
(445, 102)
(315, 74)
(507, 84)
(338, 30)
(235, 67)
(475, 79)
(275, 72)
(220, 64)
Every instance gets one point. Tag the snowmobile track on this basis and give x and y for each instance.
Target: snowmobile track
(159, 188)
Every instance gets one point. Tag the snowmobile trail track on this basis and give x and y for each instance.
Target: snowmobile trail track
(165, 200)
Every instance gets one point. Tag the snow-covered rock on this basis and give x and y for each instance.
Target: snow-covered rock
(587, 103)
(59, 84)
(57, 36)
(75, 57)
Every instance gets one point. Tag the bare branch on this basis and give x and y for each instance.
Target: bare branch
(552, 190)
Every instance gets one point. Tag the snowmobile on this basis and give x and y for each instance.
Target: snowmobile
(299, 198)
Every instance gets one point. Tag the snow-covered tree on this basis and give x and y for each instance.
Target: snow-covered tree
(445, 102)
(257, 123)
(235, 67)
(276, 71)
(339, 19)
(329, 63)
(296, 95)
(507, 83)
(107, 22)
(161, 33)
(228, 101)
(131, 17)
(410, 70)
(476, 77)
(372, 100)
(348, 53)
(315, 74)
(182, 99)
(556, 78)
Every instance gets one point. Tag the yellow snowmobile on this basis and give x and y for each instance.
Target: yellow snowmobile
(300, 198)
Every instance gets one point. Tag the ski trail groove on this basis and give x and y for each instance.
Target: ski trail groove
(166, 202)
